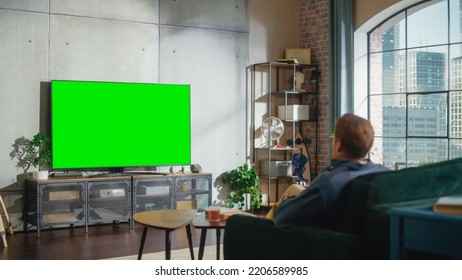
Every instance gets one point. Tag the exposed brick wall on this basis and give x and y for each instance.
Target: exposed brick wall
(314, 34)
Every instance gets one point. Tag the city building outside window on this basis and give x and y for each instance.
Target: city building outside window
(414, 91)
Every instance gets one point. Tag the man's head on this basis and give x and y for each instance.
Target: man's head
(353, 137)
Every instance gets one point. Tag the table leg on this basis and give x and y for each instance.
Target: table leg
(202, 243)
(168, 244)
(188, 233)
(3, 233)
(6, 218)
(218, 243)
(143, 238)
(5, 243)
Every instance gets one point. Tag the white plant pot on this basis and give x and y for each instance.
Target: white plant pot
(247, 202)
(40, 175)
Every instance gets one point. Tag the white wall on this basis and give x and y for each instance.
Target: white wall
(274, 27)
(204, 43)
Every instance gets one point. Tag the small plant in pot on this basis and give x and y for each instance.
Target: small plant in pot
(243, 180)
(38, 154)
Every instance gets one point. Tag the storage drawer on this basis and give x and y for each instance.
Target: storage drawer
(294, 112)
(277, 168)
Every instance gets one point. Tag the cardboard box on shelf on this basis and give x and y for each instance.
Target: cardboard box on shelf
(303, 56)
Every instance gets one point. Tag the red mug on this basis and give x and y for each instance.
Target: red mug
(214, 214)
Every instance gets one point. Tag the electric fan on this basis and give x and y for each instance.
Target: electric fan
(272, 129)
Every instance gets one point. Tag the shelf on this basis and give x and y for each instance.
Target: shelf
(284, 64)
(108, 199)
(105, 214)
(112, 204)
(62, 201)
(62, 218)
(278, 149)
(279, 84)
(294, 93)
(183, 195)
(275, 177)
(149, 196)
(192, 192)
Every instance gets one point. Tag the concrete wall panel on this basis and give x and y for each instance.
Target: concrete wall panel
(103, 50)
(223, 15)
(213, 62)
(204, 43)
(25, 5)
(134, 10)
(24, 64)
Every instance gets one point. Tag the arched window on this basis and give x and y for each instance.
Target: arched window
(415, 84)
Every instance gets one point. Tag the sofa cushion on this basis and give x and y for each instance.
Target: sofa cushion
(414, 183)
(367, 198)
(254, 238)
(409, 186)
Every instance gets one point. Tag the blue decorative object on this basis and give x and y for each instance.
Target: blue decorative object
(299, 161)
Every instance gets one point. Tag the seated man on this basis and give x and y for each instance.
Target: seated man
(352, 140)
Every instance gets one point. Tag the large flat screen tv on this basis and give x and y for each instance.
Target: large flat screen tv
(117, 125)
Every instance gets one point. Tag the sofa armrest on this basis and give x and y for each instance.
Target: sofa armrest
(251, 238)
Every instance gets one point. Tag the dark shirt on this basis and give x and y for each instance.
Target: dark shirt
(323, 193)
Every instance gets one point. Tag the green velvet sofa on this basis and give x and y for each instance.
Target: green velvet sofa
(361, 230)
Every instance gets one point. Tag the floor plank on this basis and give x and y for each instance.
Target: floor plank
(101, 241)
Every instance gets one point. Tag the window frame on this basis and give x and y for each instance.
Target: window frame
(444, 139)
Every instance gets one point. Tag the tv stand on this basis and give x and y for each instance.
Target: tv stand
(66, 174)
(110, 174)
(128, 173)
(109, 198)
(146, 173)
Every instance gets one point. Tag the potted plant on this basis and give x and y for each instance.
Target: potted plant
(243, 180)
(38, 154)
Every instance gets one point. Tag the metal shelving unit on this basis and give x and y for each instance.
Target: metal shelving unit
(273, 83)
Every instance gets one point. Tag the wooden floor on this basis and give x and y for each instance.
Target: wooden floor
(101, 241)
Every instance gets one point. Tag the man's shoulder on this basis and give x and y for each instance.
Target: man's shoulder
(351, 169)
(376, 166)
(355, 165)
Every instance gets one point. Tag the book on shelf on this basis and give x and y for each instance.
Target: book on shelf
(449, 205)
(288, 60)
(302, 55)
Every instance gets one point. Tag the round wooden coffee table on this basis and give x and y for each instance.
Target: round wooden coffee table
(168, 220)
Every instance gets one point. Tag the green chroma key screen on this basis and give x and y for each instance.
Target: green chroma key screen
(114, 124)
